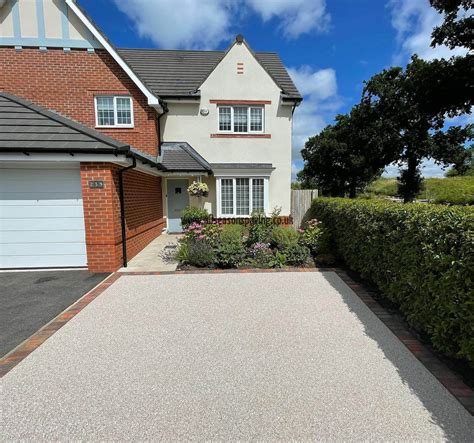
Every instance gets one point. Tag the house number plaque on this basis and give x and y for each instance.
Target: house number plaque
(96, 184)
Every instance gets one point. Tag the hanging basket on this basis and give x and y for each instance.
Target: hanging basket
(198, 189)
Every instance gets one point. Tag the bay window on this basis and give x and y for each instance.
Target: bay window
(241, 119)
(114, 111)
(240, 196)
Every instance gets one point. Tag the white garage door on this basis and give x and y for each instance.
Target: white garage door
(41, 218)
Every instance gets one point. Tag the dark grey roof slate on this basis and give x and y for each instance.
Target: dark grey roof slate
(180, 156)
(26, 127)
(177, 73)
(242, 166)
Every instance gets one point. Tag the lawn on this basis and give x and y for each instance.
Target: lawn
(452, 190)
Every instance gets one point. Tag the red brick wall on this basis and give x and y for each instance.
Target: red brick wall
(143, 209)
(68, 82)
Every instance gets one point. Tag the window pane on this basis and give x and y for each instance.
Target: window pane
(105, 111)
(124, 111)
(256, 120)
(224, 119)
(227, 196)
(258, 194)
(242, 196)
(240, 119)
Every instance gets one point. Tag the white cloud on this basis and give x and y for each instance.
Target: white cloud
(190, 24)
(296, 16)
(321, 101)
(204, 24)
(414, 21)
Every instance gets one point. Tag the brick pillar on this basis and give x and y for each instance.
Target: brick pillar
(102, 217)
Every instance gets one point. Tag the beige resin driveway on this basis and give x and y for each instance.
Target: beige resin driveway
(227, 356)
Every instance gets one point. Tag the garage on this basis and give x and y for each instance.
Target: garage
(41, 217)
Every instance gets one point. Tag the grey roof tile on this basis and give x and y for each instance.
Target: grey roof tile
(177, 73)
(180, 156)
(25, 126)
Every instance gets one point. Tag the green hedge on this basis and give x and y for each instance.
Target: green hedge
(420, 256)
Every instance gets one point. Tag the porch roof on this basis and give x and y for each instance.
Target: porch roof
(181, 157)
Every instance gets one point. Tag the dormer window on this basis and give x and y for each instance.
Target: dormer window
(241, 119)
(114, 111)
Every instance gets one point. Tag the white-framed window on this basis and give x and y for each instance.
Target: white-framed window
(241, 119)
(240, 196)
(113, 111)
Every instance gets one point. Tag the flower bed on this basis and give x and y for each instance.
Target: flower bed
(261, 243)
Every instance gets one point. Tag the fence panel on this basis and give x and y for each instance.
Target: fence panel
(300, 203)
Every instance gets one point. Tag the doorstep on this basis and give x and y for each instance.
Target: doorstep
(153, 257)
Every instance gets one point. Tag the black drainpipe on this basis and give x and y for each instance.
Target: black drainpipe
(165, 111)
(122, 210)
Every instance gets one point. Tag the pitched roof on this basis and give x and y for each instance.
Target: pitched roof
(26, 127)
(180, 156)
(179, 73)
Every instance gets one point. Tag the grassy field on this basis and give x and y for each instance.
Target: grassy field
(452, 190)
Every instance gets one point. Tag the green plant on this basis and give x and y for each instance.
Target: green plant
(231, 251)
(311, 235)
(192, 214)
(284, 237)
(199, 253)
(260, 255)
(278, 260)
(297, 255)
(421, 258)
(260, 228)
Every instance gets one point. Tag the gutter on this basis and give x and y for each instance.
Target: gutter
(122, 210)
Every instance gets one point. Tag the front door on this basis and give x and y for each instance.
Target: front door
(178, 199)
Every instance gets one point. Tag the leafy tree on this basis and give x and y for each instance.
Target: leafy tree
(345, 157)
(464, 169)
(402, 97)
(457, 28)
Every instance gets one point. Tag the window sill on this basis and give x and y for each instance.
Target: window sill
(108, 128)
(225, 135)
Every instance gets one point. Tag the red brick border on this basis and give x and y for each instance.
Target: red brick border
(10, 360)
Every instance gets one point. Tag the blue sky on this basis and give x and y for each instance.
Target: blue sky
(330, 47)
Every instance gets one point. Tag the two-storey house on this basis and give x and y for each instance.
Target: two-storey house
(98, 145)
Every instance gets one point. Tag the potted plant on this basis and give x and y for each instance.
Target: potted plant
(198, 189)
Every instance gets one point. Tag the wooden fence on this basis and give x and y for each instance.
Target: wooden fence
(300, 203)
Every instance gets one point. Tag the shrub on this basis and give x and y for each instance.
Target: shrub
(260, 255)
(192, 214)
(198, 253)
(312, 236)
(420, 256)
(231, 251)
(284, 237)
(260, 229)
(296, 255)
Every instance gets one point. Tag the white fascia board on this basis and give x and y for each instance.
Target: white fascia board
(152, 99)
(61, 157)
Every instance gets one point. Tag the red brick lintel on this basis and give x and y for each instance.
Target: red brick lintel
(241, 136)
(241, 102)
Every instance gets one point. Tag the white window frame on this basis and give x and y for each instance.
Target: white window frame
(232, 107)
(234, 188)
(115, 125)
